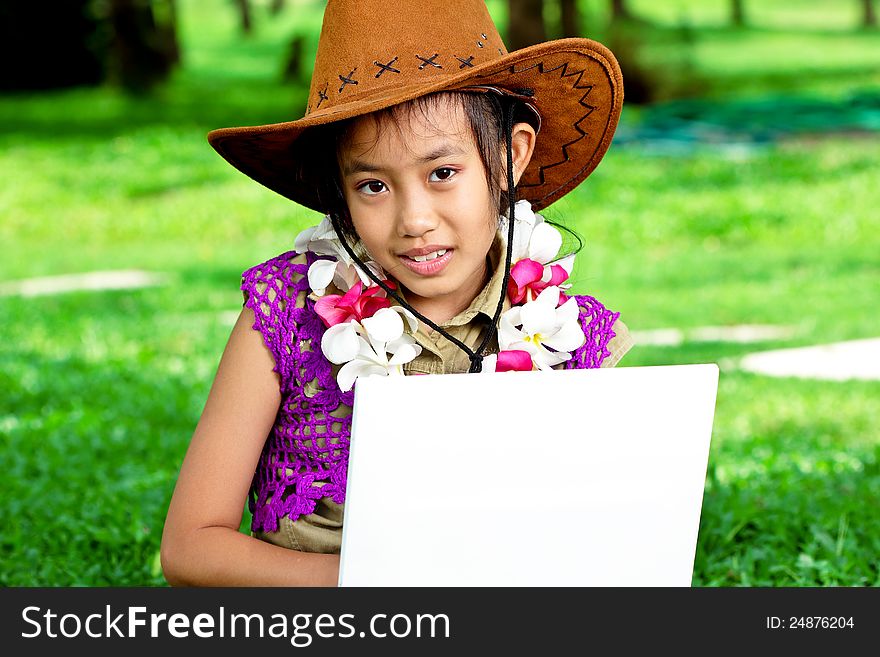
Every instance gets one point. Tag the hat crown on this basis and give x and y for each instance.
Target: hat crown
(368, 47)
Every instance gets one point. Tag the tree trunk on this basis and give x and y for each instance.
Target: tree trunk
(619, 9)
(294, 64)
(244, 10)
(276, 7)
(737, 13)
(145, 46)
(168, 30)
(571, 24)
(526, 26)
(869, 16)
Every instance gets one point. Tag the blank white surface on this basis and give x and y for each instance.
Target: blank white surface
(487, 480)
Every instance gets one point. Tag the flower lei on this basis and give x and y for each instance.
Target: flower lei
(366, 335)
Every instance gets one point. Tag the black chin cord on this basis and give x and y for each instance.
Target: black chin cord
(476, 357)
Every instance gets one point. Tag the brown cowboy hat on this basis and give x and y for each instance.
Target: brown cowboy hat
(373, 54)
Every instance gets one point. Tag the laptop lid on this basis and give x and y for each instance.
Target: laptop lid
(565, 478)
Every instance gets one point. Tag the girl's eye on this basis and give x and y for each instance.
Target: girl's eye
(441, 174)
(372, 188)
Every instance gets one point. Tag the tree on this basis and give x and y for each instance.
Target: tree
(737, 13)
(570, 19)
(294, 62)
(619, 9)
(132, 43)
(869, 15)
(244, 10)
(44, 49)
(526, 26)
(144, 44)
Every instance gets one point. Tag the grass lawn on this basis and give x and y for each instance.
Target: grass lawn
(100, 392)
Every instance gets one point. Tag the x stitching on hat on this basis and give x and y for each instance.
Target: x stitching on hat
(386, 67)
(322, 96)
(429, 60)
(465, 62)
(347, 79)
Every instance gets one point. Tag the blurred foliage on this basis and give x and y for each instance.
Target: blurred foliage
(657, 63)
(50, 49)
(682, 48)
(130, 43)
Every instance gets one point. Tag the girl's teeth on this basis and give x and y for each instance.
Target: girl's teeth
(430, 256)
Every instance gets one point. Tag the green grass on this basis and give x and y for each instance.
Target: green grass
(100, 392)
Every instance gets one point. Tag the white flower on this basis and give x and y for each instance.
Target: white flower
(321, 240)
(340, 342)
(539, 324)
(343, 276)
(386, 324)
(533, 237)
(343, 273)
(363, 349)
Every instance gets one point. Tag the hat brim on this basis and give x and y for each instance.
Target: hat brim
(577, 89)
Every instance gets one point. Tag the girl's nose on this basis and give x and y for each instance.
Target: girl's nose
(416, 215)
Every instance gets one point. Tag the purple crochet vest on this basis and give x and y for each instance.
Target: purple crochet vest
(292, 461)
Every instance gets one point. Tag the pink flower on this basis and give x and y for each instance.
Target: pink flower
(514, 360)
(510, 360)
(528, 278)
(355, 305)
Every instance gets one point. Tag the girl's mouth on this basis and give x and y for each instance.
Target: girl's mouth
(428, 264)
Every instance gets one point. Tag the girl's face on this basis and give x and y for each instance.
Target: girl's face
(419, 200)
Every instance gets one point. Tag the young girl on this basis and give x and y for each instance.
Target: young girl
(420, 135)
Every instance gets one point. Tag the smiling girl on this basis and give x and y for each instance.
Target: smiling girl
(421, 134)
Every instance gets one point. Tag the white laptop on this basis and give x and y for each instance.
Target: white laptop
(564, 478)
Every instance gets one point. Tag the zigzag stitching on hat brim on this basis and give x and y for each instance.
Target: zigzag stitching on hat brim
(582, 134)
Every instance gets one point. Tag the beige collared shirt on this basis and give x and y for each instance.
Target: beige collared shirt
(321, 531)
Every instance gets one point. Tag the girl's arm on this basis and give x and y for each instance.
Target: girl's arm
(201, 544)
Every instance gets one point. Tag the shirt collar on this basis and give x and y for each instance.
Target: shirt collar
(486, 301)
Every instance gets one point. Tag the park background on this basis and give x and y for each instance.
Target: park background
(741, 190)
